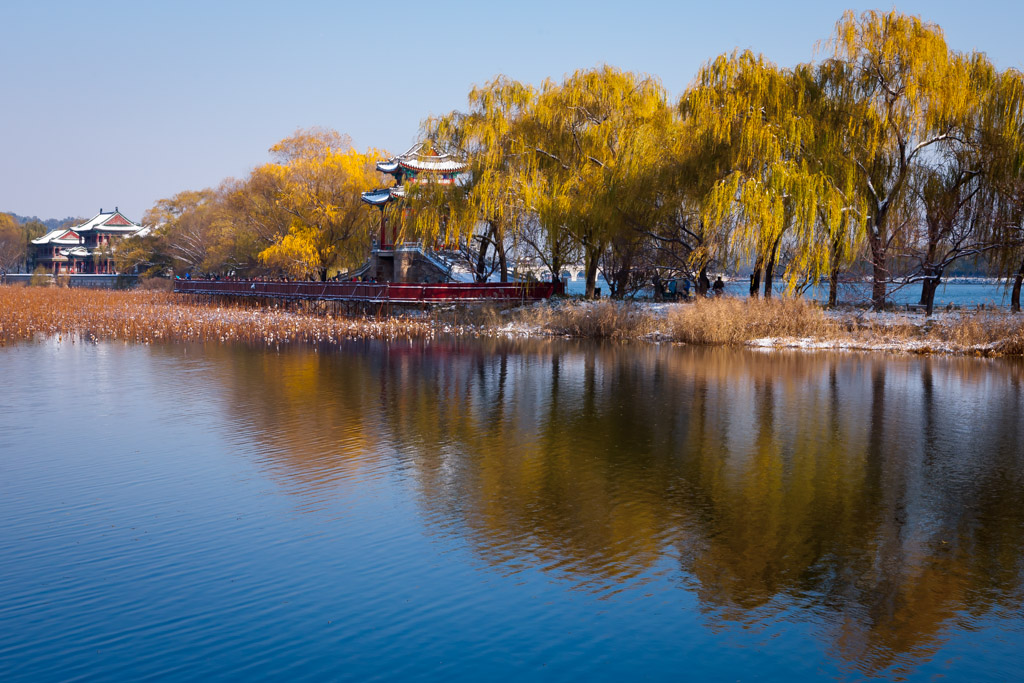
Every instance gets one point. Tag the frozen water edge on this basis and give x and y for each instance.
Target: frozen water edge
(873, 331)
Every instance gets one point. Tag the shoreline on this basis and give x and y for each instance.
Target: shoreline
(781, 323)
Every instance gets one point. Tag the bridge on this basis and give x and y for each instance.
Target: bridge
(409, 293)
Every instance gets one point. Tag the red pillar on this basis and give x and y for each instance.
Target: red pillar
(383, 228)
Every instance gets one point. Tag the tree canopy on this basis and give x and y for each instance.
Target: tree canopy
(893, 156)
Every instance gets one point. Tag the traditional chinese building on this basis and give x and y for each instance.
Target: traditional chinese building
(406, 169)
(84, 248)
(408, 262)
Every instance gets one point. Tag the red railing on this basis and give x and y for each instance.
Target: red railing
(384, 292)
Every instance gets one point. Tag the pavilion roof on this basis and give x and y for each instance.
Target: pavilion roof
(59, 236)
(413, 160)
(104, 221)
(383, 195)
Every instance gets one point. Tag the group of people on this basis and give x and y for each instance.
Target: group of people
(678, 289)
(216, 277)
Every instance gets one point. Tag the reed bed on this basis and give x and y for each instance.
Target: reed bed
(780, 322)
(149, 316)
(603, 320)
(737, 321)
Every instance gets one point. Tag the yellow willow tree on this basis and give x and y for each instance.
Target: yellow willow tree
(319, 185)
(251, 218)
(13, 244)
(1003, 149)
(488, 136)
(903, 93)
(766, 129)
(636, 199)
(589, 136)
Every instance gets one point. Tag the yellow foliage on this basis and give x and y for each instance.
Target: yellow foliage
(318, 186)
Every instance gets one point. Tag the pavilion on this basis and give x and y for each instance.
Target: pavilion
(84, 248)
(412, 167)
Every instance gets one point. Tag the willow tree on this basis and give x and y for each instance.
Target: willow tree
(767, 126)
(636, 197)
(183, 233)
(13, 244)
(958, 209)
(681, 239)
(319, 186)
(251, 218)
(903, 92)
(587, 135)
(489, 137)
(1004, 152)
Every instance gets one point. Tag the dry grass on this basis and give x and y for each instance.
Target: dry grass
(602, 320)
(736, 321)
(708, 321)
(984, 332)
(146, 316)
(786, 320)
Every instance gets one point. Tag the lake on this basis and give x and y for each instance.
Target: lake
(543, 509)
(967, 293)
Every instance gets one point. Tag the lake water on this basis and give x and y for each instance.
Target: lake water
(964, 293)
(545, 510)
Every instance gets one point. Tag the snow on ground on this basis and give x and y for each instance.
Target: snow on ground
(888, 331)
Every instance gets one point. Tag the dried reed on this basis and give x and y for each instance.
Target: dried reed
(731, 320)
(603, 320)
(147, 316)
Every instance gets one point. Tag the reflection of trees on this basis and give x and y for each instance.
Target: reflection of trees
(305, 412)
(884, 493)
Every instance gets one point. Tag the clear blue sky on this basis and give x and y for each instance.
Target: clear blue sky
(122, 103)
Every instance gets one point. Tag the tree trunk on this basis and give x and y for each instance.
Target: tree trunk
(755, 279)
(879, 273)
(932, 273)
(322, 272)
(622, 277)
(499, 246)
(703, 283)
(556, 268)
(833, 288)
(593, 254)
(1015, 294)
(769, 268)
(928, 287)
(481, 259)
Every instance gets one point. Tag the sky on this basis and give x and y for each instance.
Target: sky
(123, 103)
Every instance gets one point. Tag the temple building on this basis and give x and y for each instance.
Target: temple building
(84, 248)
(408, 262)
(411, 167)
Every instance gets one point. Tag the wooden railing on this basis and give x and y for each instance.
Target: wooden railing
(388, 292)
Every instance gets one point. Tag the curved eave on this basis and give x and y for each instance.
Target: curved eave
(387, 166)
(377, 197)
(434, 166)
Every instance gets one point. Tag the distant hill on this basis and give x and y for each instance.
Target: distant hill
(50, 223)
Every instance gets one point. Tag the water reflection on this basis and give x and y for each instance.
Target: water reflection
(881, 498)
